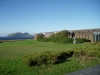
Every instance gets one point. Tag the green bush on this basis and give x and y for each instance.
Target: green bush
(61, 40)
(47, 57)
(51, 57)
(45, 40)
(40, 37)
(40, 58)
(52, 39)
(60, 37)
(79, 53)
(1, 42)
(93, 43)
(87, 52)
(82, 40)
(94, 53)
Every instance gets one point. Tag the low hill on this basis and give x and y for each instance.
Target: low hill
(19, 34)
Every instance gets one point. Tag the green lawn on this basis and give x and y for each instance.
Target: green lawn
(12, 53)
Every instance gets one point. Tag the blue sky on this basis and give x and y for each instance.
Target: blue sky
(34, 16)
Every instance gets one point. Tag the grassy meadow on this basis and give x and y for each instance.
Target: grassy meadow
(12, 53)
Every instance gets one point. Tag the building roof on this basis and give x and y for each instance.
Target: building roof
(49, 32)
(96, 29)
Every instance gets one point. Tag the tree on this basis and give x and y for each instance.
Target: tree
(63, 34)
(40, 36)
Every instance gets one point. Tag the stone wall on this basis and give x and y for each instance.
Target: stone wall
(88, 34)
(35, 36)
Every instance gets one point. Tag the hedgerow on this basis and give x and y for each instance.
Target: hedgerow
(46, 58)
(82, 40)
(51, 57)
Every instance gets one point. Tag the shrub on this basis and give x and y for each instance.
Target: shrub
(93, 53)
(79, 53)
(47, 57)
(61, 37)
(82, 40)
(45, 39)
(40, 37)
(61, 40)
(39, 59)
(87, 52)
(28, 60)
(93, 43)
(1, 42)
(51, 57)
(54, 37)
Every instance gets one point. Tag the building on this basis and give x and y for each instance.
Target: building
(90, 34)
(47, 34)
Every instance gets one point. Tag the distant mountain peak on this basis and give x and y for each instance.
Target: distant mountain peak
(26, 33)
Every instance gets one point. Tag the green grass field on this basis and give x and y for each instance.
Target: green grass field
(12, 53)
